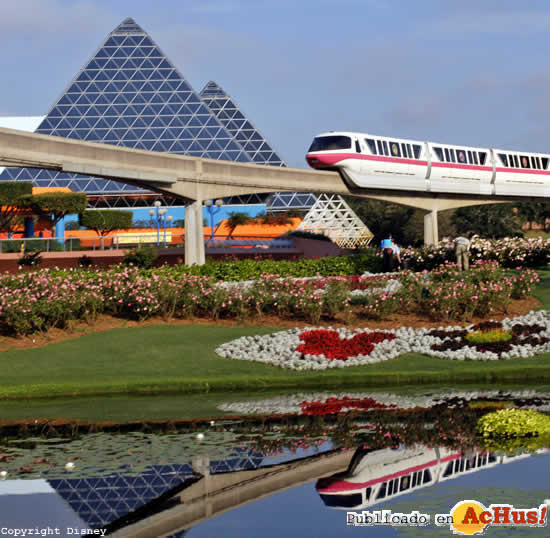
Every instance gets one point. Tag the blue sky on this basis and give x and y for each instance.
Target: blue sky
(466, 72)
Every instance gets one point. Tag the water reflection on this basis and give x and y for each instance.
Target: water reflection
(374, 477)
(162, 479)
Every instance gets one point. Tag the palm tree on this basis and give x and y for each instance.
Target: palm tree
(236, 219)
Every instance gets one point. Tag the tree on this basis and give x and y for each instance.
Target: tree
(533, 213)
(11, 202)
(103, 222)
(72, 225)
(492, 221)
(383, 218)
(56, 204)
(236, 219)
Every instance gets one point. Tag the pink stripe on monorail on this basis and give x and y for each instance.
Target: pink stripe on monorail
(462, 166)
(337, 157)
(343, 485)
(524, 171)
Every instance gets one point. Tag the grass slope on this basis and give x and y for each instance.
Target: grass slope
(171, 358)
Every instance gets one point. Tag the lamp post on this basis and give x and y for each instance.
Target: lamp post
(166, 222)
(157, 214)
(213, 208)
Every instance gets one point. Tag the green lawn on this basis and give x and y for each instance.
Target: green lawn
(181, 359)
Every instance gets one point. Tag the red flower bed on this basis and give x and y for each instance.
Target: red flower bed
(328, 343)
(335, 405)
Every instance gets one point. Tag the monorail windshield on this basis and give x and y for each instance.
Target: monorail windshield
(327, 143)
(343, 501)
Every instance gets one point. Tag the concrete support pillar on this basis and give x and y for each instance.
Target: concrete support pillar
(194, 236)
(431, 233)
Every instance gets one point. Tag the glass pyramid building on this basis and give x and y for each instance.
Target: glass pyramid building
(254, 143)
(129, 94)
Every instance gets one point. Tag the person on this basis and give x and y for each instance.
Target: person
(462, 251)
(397, 254)
(387, 251)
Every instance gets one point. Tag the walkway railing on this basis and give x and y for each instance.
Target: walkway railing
(131, 240)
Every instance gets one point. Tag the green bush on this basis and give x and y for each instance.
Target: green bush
(142, 256)
(307, 235)
(30, 259)
(84, 261)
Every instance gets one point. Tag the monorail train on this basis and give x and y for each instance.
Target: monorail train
(369, 161)
(381, 475)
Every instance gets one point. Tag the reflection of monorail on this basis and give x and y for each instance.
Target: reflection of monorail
(375, 477)
(369, 161)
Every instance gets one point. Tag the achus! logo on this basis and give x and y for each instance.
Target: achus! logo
(470, 517)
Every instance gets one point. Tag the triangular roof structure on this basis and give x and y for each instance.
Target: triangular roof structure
(130, 94)
(242, 129)
(258, 148)
(333, 217)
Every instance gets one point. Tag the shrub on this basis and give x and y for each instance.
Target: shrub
(30, 259)
(142, 256)
(307, 235)
(84, 261)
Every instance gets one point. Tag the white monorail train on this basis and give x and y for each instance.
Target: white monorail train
(381, 475)
(379, 162)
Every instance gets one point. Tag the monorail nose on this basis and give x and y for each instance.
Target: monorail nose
(314, 161)
(320, 160)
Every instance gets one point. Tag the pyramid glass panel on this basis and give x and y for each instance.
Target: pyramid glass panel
(129, 54)
(255, 144)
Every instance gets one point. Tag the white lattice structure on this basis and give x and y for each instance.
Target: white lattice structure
(333, 217)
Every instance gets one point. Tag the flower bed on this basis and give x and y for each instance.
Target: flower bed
(319, 349)
(508, 252)
(298, 403)
(39, 300)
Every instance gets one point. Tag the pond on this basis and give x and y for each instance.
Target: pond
(268, 465)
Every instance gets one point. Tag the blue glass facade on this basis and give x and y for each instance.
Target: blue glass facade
(254, 143)
(129, 94)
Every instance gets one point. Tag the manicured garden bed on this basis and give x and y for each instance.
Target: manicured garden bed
(182, 358)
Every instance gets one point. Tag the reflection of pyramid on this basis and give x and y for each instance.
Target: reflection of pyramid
(129, 94)
(101, 500)
(254, 143)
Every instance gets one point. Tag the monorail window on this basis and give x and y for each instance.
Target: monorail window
(427, 476)
(327, 143)
(470, 157)
(474, 153)
(343, 501)
(380, 149)
(395, 152)
(372, 145)
(404, 150)
(357, 146)
(417, 150)
(525, 161)
(492, 458)
(439, 153)
(482, 157)
(382, 493)
(405, 483)
(447, 155)
(534, 162)
(448, 470)
(385, 145)
(453, 158)
(503, 158)
(461, 156)
(544, 161)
